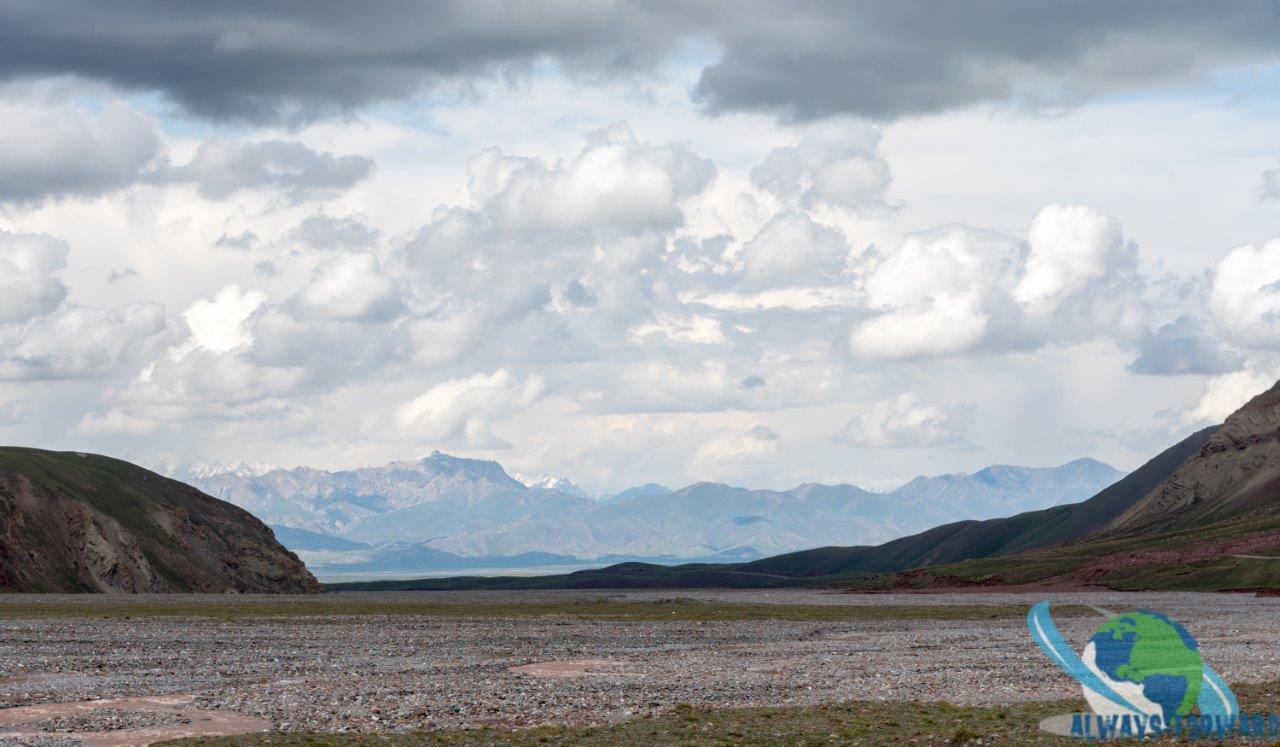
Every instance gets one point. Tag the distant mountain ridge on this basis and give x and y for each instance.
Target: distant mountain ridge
(474, 508)
(1203, 515)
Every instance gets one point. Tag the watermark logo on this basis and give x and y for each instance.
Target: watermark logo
(1143, 674)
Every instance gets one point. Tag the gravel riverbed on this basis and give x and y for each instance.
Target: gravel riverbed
(394, 672)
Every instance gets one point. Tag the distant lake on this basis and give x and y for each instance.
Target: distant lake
(541, 570)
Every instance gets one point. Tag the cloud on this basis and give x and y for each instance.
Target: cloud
(221, 323)
(78, 342)
(732, 453)
(52, 150)
(907, 422)
(220, 168)
(890, 60)
(350, 287)
(1070, 245)
(793, 249)
(327, 351)
(699, 330)
(957, 288)
(186, 387)
(14, 412)
(124, 273)
(836, 164)
(299, 61)
(1184, 346)
(1244, 295)
(762, 433)
(28, 265)
(328, 233)
(568, 255)
(1225, 394)
(1270, 187)
(462, 411)
(241, 241)
(616, 181)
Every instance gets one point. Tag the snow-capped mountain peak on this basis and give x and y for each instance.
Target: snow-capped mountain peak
(558, 484)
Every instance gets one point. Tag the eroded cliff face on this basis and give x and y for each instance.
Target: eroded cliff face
(84, 523)
(1235, 474)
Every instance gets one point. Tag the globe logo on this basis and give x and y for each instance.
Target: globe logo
(1140, 669)
(1149, 660)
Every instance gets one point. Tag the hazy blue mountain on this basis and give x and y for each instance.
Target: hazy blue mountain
(425, 510)
(639, 491)
(304, 540)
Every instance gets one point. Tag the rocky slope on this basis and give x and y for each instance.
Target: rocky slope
(1234, 475)
(73, 522)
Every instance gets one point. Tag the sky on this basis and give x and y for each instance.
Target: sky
(759, 243)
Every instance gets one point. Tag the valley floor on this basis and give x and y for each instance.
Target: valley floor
(119, 670)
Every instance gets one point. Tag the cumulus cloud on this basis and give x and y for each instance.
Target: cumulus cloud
(905, 421)
(78, 342)
(58, 150)
(328, 233)
(546, 242)
(1070, 245)
(463, 411)
(1225, 394)
(351, 287)
(616, 182)
(836, 163)
(957, 288)
(1184, 346)
(221, 168)
(220, 323)
(1244, 296)
(29, 264)
(188, 385)
(793, 249)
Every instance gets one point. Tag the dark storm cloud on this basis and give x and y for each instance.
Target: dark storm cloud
(291, 61)
(893, 59)
(301, 59)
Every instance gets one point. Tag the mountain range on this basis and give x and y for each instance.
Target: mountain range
(451, 512)
(1203, 515)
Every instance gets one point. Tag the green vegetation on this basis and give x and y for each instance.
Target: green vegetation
(1154, 561)
(674, 610)
(867, 723)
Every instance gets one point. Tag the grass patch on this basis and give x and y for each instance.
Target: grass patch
(868, 723)
(676, 610)
(1163, 570)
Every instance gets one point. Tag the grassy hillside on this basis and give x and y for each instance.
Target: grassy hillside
(1238, 555)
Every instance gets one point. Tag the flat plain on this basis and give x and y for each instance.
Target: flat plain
(787, 667)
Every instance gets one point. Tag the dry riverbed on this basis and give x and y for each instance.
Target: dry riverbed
(130, 670)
